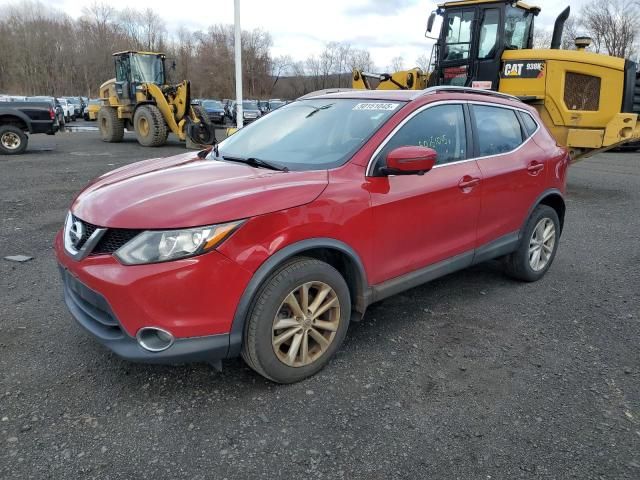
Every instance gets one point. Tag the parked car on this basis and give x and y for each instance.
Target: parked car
(17, 119)
(77, 107)
(90, 112)
(268, 245)
(59, 109)
(250, 111)
(68, 108)
(275, 104)
(214, 110)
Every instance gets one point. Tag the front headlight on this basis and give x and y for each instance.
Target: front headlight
(155, 246)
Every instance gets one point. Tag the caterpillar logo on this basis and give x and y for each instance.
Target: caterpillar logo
(522, 69)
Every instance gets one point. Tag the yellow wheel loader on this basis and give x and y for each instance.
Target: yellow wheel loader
(590, 102)
(140, 99)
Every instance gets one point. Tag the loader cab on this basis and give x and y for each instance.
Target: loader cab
(135, 68)
(473, 36)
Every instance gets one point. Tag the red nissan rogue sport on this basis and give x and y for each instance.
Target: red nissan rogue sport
(270, 243)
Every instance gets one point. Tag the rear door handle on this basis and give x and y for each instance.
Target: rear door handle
(535, 167)
(468, 182)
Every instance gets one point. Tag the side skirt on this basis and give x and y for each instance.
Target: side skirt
(497, 248)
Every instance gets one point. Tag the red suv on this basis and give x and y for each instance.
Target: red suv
(270, 243)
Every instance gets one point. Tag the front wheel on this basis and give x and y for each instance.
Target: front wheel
(538, 246)
(297, 321)
(150, 127)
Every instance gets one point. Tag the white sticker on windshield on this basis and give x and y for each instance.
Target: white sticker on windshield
(376, 106)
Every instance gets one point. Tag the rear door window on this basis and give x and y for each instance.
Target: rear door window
(498, 130)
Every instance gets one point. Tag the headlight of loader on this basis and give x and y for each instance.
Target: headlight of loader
(155, 246)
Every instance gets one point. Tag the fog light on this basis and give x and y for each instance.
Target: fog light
(154, 339)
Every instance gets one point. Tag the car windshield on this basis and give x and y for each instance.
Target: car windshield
(310, 134)
(274, 105)
(250, 105)
(212, 104)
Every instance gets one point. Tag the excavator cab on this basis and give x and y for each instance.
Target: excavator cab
(473, 37)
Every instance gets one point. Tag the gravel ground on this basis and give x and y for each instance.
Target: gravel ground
(472, 376)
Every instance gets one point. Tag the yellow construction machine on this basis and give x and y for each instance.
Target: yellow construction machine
(590, 102)
(139, 98)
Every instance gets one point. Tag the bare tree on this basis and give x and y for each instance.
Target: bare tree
(397, 64)
(612, 24)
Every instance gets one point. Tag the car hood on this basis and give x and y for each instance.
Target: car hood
(186, 191)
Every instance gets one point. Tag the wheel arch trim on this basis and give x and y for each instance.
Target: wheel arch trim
(273, 262)
(552, 192)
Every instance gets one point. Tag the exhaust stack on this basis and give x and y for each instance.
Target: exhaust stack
(558, 28)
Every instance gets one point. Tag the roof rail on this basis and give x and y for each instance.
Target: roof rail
(326, 91)
(474, 91)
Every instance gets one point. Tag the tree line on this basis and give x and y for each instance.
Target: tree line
(43, 51)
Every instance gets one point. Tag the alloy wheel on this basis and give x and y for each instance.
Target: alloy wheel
(543, 240)
(306, 323)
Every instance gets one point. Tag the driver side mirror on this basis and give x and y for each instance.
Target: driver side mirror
(410, 160)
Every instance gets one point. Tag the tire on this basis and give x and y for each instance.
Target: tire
(259, 348)
(111, 127)
(73, 118)
(150, 127)
(521, 264)
(13, 141)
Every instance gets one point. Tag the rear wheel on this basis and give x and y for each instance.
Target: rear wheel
(297, 321)
(111, 127)
(12, 140)
(538, 246)
(150, 127)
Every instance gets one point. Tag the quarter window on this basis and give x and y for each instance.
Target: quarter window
(441, 128)
(498, 130)
(530, 124)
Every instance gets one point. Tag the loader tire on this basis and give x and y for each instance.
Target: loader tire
(151, 129)
(111, 127)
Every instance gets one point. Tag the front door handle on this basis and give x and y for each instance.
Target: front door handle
(535, 167)
(467, 182)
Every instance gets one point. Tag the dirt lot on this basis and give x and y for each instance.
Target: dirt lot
(473, 376)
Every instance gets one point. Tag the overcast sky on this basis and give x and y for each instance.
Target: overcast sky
(388, 28)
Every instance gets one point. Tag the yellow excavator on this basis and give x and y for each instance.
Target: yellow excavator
(139, 98)
(590, 102)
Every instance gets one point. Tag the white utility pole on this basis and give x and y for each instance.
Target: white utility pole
(238, 47)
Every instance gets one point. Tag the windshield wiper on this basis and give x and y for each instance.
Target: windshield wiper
(317, 109)
(257, 162)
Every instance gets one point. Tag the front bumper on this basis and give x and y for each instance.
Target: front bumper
(195, 299)
(92, 312)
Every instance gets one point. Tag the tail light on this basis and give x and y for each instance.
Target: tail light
(52, 114)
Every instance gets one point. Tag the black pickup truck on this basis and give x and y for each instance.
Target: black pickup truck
(17, 119)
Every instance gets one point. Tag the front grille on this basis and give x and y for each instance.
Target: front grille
(87, 232)
(581, 92)
(90, 308)
(113, 239)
